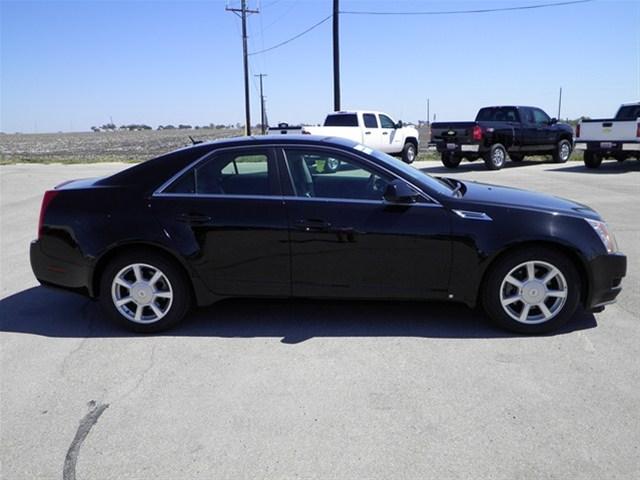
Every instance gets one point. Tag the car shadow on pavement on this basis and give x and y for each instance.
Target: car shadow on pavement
(53, 313)
(477, 166)
(607, 167)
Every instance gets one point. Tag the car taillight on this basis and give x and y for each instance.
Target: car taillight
(638, 130)
(578, 130)
(49, 195)
(477, 133)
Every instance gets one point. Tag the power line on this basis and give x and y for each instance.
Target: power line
(293, 38)
(459, 12)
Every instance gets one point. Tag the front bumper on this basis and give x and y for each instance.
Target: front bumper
(54, 272)
(606, 272)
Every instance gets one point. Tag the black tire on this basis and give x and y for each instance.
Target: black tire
(516, 157)
(562, 153)
(496, 157)
(332, 165)
(450, 160)
(592, 159)
(409, 152)
(173, 283)
(496, 285)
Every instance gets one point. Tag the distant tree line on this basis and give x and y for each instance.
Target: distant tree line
(134, 127)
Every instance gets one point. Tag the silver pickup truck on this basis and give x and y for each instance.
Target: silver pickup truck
(617, 137)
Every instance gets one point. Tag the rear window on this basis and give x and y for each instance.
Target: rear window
(341, 120)
(629, 112)
(497, 114)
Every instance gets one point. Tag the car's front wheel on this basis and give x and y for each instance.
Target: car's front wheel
(144, 292)
(534, 290)
(409, 152)
(562, 152)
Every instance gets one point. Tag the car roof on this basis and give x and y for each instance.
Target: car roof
(277, 139)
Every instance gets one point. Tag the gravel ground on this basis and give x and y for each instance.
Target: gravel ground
(318, 390)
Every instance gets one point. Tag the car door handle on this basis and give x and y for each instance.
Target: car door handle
(385, 133)
(312, 225)
(193, 218)
(367, 133)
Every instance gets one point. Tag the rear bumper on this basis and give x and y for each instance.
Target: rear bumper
(606, 272)
(461, 148)
(612, 147)
(54, 272)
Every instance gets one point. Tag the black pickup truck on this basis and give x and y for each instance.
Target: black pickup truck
(499, 133)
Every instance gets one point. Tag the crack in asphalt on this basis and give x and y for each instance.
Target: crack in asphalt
(84, 314)
(88, 421)
(152, 362)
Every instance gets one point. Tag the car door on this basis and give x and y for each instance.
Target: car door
(372, 134)
(545, 129)
(227, 217)
(346, 241)
(391, 138)
(532, 135)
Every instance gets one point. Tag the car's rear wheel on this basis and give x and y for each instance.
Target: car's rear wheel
(409, 152)
(562, 151)
(496, 157)
(144, 292)
(592, 159)
(534, 290)
(450, 160)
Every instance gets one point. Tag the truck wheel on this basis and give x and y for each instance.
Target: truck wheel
(496, 157)
(562, 151)
(409, 153)
(592, 160)
(516, 157)
(450, 160)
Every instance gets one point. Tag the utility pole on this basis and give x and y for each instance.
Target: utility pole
(242, 13)
(559, 103)
(262, 116)
(428, 123)
(336, 55)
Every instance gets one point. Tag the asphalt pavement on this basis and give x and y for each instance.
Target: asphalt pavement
(252, 389)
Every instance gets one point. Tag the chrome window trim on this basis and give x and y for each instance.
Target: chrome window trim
(159, 192)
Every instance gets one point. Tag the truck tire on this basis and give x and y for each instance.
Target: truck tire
(562, 152)
(450, 160)
(496, 157)
(409, 152)
(516, 157)
(592, 159)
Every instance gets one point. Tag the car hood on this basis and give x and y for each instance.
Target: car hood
(487, 194)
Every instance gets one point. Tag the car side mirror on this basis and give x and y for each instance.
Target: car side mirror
(553, 121)
(399, 124)
(400, 192)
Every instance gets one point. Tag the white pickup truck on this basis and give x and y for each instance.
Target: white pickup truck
(618, 137)
(373, 129)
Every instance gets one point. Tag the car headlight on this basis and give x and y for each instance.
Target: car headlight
(605, 235)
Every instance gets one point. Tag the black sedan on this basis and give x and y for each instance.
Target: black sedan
(270, 217)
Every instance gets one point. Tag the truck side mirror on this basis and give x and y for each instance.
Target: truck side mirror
(399, 124)
(553, 121)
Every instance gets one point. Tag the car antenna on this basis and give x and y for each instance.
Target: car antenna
(195, 142)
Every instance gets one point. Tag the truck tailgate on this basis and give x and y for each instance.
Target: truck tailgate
(607, 130)
(452, 132)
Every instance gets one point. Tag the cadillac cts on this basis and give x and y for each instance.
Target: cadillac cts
(269, 217)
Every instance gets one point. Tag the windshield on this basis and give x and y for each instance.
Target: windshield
(413, 174)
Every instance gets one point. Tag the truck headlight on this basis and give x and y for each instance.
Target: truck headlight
(608, 240)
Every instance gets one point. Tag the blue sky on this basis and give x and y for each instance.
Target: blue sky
(69, 65)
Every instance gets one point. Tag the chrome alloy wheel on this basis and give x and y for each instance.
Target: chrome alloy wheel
(141, 293)
(565, 151)
(411, 154)
(533, 292)
(497, 157)
(333, 164)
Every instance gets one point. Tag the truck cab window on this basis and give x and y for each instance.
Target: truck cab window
(386, 122)
(540, 118)
(370, 120)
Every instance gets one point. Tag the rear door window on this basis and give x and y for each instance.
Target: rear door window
(246, 172)
(341, 120)
(370, 120)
